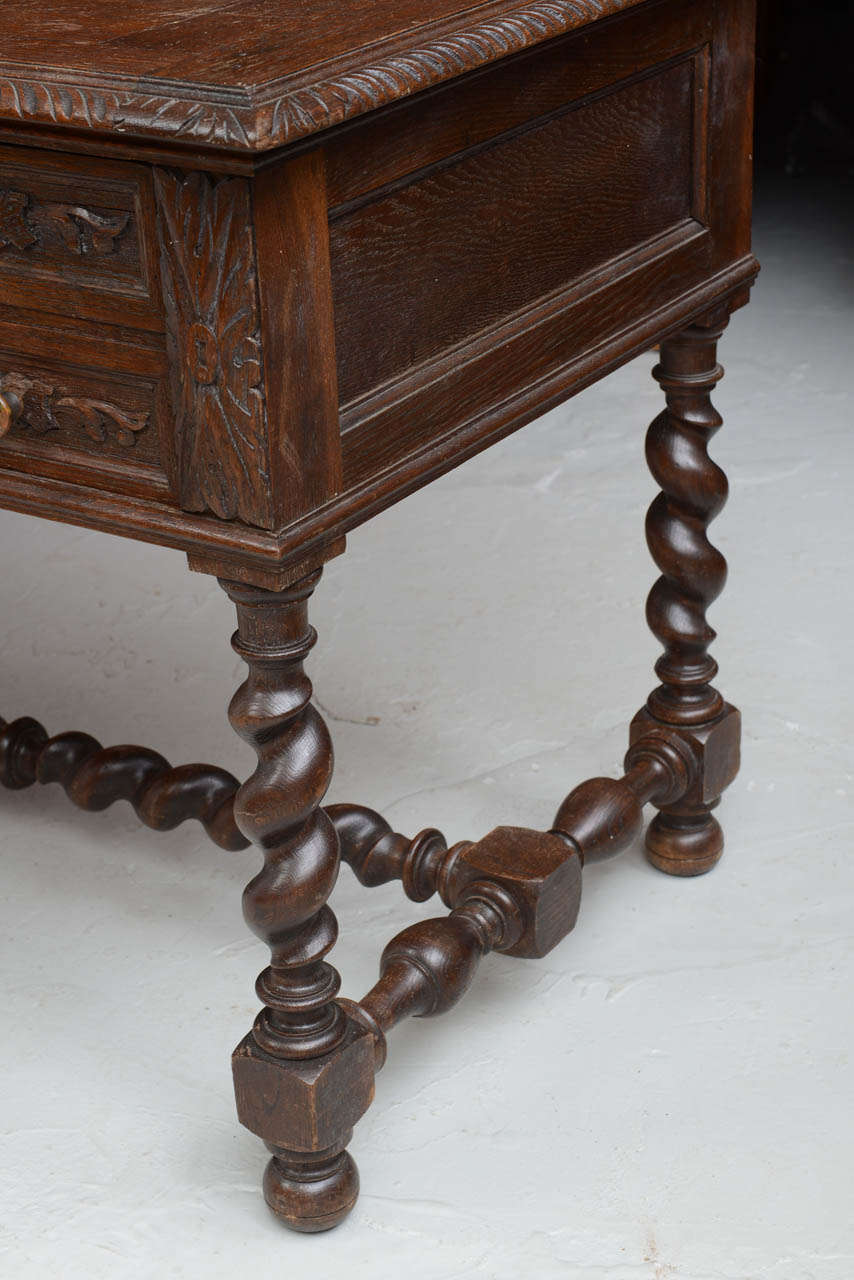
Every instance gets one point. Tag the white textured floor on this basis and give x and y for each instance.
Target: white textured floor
(669, 1094)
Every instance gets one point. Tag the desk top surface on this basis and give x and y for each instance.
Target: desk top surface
(249, 75)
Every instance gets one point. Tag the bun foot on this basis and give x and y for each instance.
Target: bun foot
(311, 1191)
(684, 845)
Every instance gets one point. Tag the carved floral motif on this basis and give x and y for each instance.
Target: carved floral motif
(45, 408)
(210, 291)
(23, 222)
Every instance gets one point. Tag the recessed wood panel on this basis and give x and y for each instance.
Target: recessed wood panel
(432, 263)
(413, 135)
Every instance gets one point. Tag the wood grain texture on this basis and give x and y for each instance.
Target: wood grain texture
(95, 777)
(685, 838)
(28, 226)
(267, 559)
(451, 395)
(517, 890)
(453, 118)
(401, 437)
(419, 270)
(298, 335)
(304, 1074)
(45, 408)
(210, 295)
(189, 355)
(243, 76)
(105, 421)
(77, 238)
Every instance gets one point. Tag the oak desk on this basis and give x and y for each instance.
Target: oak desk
(266, 269)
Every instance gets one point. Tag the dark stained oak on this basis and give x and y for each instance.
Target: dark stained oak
(268, 268)
(303, 1075)
(57, 405)
(517, 891)
(474, 228)
(95, 777)
(248, 75)
(686, 839)
(213, 333)
(296, 336)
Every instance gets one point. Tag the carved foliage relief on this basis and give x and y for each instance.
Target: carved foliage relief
(27, 224)
(45, 408)
(210, 291)
(284, 117)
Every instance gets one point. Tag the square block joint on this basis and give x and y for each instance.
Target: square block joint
(305, 1104)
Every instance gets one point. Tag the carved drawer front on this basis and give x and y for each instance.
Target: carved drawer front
(82, 424)
(75, 236)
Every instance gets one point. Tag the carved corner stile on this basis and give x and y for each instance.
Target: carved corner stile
(210, 292)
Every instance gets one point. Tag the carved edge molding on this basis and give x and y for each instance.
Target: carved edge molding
(255, 120)
(45, 408)
(335, 99)
(210, 295)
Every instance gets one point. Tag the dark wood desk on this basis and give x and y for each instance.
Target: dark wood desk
(265, 270)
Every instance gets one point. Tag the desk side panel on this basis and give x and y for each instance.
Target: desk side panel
(494, 242)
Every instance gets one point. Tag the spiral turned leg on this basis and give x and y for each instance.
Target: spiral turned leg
(95, 777)
(304, 1074)
(684, 838)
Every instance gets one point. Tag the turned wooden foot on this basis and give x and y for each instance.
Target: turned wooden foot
(686, 844)
(304, 1074)
(311, 1191)
(685, 839)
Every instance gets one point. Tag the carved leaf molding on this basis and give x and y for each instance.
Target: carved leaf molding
(210, 293)
(272, 118)
(45, 408)
(82, 231)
